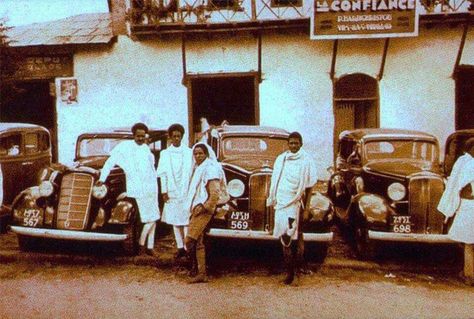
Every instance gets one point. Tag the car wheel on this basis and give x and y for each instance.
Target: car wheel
(130, 245)
(365, 249)
(316, 252)
(27, 243)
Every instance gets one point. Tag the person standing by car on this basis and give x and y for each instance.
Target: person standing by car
(174, 169)
(294, 174)
(202, 199)
(458, 201)
(138, 163)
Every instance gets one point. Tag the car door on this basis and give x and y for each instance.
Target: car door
(11, 159)
(37, 156)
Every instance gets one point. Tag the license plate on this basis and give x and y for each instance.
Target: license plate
(401, 224)
(31, 217)
(239, 221)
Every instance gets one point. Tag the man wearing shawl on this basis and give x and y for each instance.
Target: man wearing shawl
(138, 163)
(458, 200)
(207, 182)
(174, 169)
(294, 174)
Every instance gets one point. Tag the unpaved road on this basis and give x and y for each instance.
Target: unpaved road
(127, 291)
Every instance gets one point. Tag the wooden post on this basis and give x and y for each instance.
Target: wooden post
(469, 264)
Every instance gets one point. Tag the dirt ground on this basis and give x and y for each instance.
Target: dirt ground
(52, 291)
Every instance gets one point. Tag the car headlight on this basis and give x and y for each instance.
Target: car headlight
(235, 188)
(396, 191)
(99, 192)
(46, 188)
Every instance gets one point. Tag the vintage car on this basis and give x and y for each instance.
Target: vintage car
(247, 154)
(68, 205)
(25, 150)
(386, 187)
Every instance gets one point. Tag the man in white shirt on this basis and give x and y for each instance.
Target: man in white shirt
(294, 174)
(175, 169)
(138, 163)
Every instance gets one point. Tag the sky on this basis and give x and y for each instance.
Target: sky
(21, 12)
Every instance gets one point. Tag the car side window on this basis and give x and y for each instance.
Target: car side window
(31, 143)
(43, 142)
(10, 145)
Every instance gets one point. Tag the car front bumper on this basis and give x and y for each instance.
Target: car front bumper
(404, 237)
(262, 235)
(66, 234)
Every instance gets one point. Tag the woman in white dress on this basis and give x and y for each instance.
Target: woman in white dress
(175, 168)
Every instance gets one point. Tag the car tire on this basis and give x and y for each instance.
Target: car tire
(365, 249)
(28, 243)
(130, 245)
(315, 252)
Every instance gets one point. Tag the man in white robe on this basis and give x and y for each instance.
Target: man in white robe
(175, 169)
(458, 201)
(138, 163)
(294, 174)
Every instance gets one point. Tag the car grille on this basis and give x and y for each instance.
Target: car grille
(425, 193)
(74, 201)
(262, 218)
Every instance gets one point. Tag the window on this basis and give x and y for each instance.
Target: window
(31, 143)
(218, 4)
(10, 145)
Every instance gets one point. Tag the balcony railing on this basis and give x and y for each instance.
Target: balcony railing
(157, 13)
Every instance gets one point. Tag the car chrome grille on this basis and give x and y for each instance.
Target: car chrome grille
(425, 193)
(74, 201)
(259, 185)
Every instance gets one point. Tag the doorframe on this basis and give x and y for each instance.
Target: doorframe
(188, 82)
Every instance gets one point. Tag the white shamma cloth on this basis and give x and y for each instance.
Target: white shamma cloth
(175, 169)
(292, 174)
(138, 163)
(451, 203)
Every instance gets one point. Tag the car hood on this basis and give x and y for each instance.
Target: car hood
(96, 162)
(250, 163)
(398, 167)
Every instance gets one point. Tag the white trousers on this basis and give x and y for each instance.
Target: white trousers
(148, 232)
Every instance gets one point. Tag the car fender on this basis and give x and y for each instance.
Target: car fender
(369, 208)
(122, 212)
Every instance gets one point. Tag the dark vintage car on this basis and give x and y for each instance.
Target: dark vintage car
(386, 187)
(68, 205)
(25, 150)
(247, 154)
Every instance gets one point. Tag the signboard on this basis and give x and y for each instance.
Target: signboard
(44, 67)
(68, 90)
(354, 19)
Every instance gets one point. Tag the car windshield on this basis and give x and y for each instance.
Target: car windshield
(401, 149)
(97, 146)
(262, 146)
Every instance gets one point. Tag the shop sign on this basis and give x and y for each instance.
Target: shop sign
(352, 19)
(43, 67)
(67, 89)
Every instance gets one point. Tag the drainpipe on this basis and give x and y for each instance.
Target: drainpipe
(333, 61)
(384, 58)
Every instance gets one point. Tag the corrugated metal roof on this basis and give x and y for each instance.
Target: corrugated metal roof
(89, 28)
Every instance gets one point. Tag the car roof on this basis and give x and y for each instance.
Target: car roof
(251, 129)
(119, 131)
(5, 127)
(375, 133)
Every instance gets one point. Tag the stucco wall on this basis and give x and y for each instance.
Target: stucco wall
(141, 81)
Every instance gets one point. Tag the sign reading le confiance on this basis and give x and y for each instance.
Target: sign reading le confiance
(351, 19)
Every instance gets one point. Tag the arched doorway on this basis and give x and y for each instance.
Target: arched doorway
(356, 103)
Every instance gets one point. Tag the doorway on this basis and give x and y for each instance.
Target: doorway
(356, 104)
(218, 98)
(33, 103)
(464, 86)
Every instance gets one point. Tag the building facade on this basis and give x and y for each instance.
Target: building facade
(173, 65)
